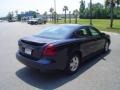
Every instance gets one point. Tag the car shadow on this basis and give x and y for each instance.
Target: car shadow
(53, 80)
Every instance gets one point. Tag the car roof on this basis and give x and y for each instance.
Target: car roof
(72, 27)
(75, 25)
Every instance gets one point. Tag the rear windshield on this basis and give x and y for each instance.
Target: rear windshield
(56, 32)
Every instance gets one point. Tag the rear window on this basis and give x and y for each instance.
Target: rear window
(56, 32)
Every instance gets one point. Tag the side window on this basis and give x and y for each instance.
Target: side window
(82, 32)
(94, 32)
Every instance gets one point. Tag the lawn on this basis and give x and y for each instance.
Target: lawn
(101, 24)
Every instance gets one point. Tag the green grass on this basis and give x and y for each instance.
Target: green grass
(101, 24)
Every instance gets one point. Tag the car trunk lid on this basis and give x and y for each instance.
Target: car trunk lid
(32, 47)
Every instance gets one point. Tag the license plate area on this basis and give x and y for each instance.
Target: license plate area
(28, 51)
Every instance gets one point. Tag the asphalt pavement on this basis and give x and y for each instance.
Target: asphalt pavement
(100, 73)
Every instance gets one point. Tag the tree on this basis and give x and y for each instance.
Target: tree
(65, 9)
(69, 16)
(16, 12)
(51, 11)
(37, 11)
(97, 10)
(45, 14)
(55, 16)
(10, 16)
(111, 4)
(82, 8)
(76, 14)
(90, 12)
(19, 17)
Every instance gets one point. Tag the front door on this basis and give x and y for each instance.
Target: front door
(99, 42)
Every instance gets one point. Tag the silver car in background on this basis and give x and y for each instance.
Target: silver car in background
(40, 20)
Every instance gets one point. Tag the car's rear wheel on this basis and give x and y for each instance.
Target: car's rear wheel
(73, 64)
(106, 48)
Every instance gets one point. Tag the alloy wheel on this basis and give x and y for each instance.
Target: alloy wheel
(74, 64)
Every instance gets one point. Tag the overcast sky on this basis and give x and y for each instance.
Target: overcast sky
(41, 5)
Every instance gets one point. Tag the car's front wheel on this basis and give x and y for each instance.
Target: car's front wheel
(73, 64)
(36, 23)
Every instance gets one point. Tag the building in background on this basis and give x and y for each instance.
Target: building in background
(28, 15)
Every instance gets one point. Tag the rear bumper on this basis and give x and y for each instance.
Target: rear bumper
(42, 64)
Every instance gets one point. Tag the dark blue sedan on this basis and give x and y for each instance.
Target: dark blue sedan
(62, 47)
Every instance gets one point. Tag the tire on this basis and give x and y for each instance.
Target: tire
(73, 64)
(36, 23)
(106, 47)
(44, 22)
(31, 23)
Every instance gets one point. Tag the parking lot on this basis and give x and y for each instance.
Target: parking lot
(100, 73)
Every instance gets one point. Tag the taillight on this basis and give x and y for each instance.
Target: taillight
(50, 50)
